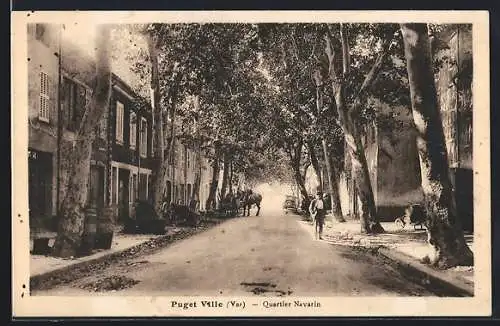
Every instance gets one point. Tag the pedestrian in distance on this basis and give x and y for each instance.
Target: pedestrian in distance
(318, 213)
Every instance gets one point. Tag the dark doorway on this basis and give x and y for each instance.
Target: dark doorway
(123, 194)
(463, 187)
(40, 186)
(189, 193)
(96, 187)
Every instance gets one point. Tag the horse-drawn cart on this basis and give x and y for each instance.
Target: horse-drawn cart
(414, 215)
(290, 204)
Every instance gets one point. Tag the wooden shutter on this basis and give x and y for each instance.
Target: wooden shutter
(119, 122)
(43, 111)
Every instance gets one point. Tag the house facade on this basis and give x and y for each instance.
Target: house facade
(131, 160)
(43, 94)
(60, 84)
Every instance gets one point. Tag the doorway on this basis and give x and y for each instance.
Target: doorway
(123, 194)
(39, 186)
(96, 184)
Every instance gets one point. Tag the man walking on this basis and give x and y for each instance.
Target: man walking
(317, 211)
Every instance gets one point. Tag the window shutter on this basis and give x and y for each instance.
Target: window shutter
(43, 111)
(119, 121)
(133, 129)
(143, 140)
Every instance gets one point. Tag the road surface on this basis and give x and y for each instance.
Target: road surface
(272, 254)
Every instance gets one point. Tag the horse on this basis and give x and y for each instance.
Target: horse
(247, 199)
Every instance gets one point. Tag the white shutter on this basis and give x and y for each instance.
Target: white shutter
(133, 130)
(144, 137)
(119, 121)
(43, 110)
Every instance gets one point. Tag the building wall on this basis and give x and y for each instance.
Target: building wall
(43, 134)
(455, 96)
(393, 165)
(454, 87)
(399, 181)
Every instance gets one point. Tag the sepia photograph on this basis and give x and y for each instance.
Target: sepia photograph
(260, 164)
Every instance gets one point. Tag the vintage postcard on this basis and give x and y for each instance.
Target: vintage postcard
(251, 163)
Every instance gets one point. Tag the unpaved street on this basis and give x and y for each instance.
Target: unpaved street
(267, 255)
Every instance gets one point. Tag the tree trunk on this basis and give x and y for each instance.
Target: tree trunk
(212, 199)
(360, 173)
(71, 224)
(330, 170)
(197, 182)
(299, 178)
(195, 196)
(369, 220)
(444, 229)
(333, 185)
(294, 155)
(230, 175)
(225, 175)
(315, 164)
(301, 184)
(162, 165)
(355, 148)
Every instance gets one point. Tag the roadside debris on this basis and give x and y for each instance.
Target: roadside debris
(112, 283)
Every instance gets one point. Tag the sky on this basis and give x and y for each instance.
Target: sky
(81, 35)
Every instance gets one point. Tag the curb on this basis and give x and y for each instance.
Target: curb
(39, 280)
(432, 279)
(64, 274)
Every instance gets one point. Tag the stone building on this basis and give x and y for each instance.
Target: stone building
(43, 137)
(60, 86)
(131, 159)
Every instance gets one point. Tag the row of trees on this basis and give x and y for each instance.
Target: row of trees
(253, 96)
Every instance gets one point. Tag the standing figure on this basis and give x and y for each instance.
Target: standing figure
(318, 213)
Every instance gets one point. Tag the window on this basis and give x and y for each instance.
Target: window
(133, 130)
(188, 158)
(143, 137)
(119, 122)
(41, 33)
(43, 111)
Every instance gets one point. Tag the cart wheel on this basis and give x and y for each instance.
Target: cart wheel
(400, 223)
